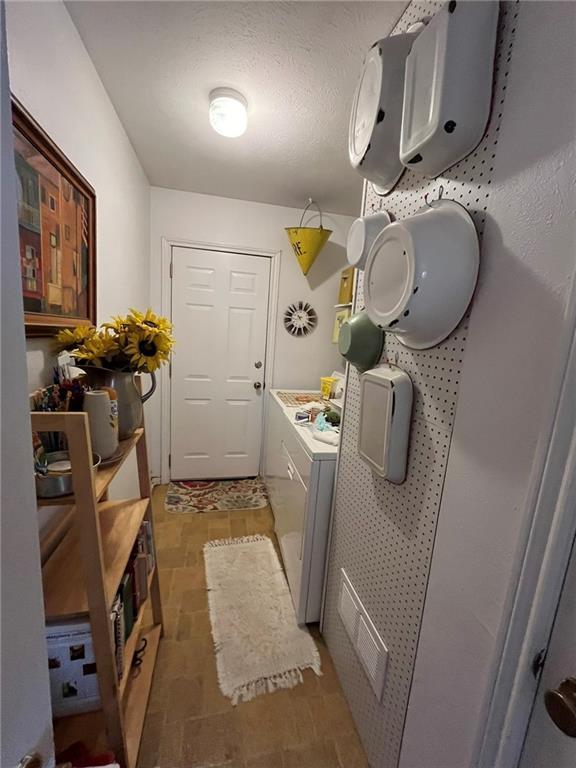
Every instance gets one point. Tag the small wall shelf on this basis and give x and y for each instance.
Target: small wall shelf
(81, 578)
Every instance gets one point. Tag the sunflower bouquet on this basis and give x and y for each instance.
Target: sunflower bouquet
(137, 342)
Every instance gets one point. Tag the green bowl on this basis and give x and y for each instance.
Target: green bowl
(361, 342)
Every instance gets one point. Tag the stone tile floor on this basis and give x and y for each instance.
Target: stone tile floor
(189, 723)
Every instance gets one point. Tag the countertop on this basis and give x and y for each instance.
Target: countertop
(316, 449)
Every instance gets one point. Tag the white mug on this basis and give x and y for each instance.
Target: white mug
(103, 423)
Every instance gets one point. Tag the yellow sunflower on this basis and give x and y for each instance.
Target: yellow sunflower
(99, 349)
(147, 348)
(149, 319)
(116, 325)
(70, 338)
(139, 341)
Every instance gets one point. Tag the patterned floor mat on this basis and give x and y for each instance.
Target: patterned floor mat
(193, 496)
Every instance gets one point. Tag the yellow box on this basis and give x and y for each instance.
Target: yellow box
(326, 385)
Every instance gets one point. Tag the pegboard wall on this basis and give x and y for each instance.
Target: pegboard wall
(383, 534)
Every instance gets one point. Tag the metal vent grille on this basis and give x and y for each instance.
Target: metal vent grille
(383, 534)
(367, 648)
(348, 610)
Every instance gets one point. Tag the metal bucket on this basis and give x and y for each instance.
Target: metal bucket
(307, 242)
(54, 484)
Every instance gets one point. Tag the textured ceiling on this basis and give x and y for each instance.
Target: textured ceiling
(297, 63)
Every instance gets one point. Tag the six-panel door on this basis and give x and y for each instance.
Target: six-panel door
(219, 311)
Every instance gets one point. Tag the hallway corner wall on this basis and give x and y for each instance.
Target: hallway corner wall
(53, 76)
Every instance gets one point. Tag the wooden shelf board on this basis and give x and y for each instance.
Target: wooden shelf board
(63, 573)
(132, 642)
(103, 477)
(347, 304)
(138, 692)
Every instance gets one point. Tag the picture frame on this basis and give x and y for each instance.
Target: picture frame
(346, 288)
(57, 232)
(339, 318)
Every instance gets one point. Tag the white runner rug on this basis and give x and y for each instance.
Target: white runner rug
(259, 646)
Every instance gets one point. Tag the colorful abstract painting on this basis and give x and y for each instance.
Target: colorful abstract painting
(56, 232)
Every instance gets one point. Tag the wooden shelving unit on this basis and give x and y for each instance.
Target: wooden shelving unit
(81, 579)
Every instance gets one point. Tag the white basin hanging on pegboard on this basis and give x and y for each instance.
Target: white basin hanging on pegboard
(375, 121)
(448, 86)
(421, 274)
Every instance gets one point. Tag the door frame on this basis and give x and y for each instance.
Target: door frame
(539, 570)
(166, 308)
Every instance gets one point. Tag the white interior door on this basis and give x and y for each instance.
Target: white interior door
(220, 312)
(546, 745)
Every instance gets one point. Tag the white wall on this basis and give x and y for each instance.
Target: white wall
(53, 76)
(510, 373)
(299, 362)
(26, 712)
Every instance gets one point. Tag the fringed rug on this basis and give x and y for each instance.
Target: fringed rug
(259, 646)
(187, 496)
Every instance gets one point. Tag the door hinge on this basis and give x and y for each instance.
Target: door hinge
(169, 461)
(538, 662)
(171, 270)
(170, 369)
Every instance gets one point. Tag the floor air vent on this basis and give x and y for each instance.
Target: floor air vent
(367, 643)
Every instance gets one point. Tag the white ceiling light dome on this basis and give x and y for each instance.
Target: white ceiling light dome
(228, 112)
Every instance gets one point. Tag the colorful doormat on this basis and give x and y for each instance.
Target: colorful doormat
(259, 646)
(186, 496)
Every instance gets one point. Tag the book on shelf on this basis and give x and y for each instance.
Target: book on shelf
(118, 631)
(132, 593)
(127, 596)
(147, 543)
(140, 570)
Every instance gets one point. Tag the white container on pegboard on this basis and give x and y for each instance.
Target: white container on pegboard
(448, 86)
(385, 410)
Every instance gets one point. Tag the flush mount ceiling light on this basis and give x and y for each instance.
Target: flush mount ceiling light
(228, 112)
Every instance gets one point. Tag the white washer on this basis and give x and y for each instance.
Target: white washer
(299, 475)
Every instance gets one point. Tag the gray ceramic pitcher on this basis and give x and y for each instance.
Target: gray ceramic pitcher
(130, 400)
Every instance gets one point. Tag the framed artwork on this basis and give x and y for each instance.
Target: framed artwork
(57, 232)
(346, 286)
(340, 317)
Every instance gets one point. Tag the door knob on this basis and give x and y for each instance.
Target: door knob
(258, 364)
(561, 706)
(257, 385)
